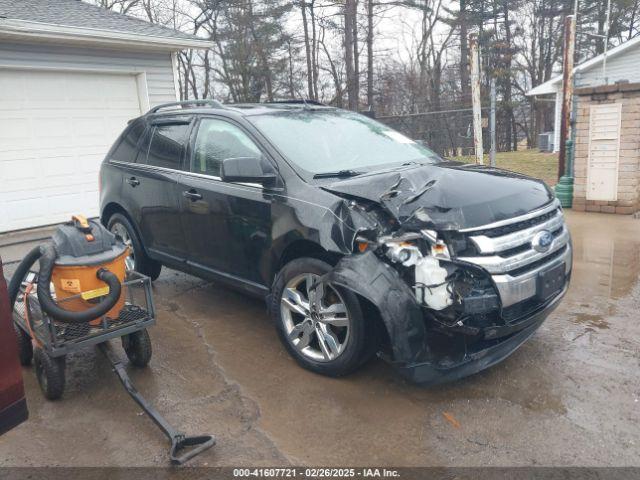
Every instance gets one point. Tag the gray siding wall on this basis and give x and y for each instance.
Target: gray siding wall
(157, 66)
(625, 66)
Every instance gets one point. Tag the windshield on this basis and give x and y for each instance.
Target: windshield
(322, 141)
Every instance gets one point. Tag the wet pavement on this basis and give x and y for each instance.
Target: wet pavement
(569, 396)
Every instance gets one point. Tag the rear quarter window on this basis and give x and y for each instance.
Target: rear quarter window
(167, 145)
(127, 149)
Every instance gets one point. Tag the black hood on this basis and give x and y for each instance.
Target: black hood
(448, 195)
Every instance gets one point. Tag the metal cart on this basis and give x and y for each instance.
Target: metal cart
(55, 340)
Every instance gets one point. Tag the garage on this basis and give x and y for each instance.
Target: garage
(71, 76)
(55, 128)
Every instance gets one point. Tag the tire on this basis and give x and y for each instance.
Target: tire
(50, 373)
(25, 347)
(138, 348)
(120, 225)
(351, 339)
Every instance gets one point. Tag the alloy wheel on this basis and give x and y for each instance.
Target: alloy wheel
(315, 318)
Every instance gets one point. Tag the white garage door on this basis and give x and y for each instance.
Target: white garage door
(55, 129)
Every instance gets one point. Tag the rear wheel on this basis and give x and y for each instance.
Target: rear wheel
(50, 373)
(137, 260)
(321, 326)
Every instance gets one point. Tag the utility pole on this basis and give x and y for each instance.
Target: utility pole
(475, 97)
(492, 122)
(564, 189)
(567, 89)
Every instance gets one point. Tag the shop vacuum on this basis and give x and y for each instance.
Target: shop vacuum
(94, 300)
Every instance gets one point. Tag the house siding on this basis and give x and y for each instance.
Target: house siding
(156, 65)
(623, 66)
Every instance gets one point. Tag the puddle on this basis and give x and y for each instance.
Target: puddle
(606, 254)
(591, 321)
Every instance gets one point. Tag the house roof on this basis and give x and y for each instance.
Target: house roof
(553, 85)
(76, 20)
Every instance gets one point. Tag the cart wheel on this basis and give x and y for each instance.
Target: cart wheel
(25, 347)
(50, 373)
(137, 346)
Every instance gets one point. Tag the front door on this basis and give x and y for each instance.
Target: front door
(227, 225)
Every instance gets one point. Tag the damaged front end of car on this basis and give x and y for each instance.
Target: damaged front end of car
(456, 295)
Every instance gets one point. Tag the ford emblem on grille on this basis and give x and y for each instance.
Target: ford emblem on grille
(542, 241)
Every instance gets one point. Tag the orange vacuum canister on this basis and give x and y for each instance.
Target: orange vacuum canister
(83, 247)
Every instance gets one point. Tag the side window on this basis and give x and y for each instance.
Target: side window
(126, 150)
(218, 140)
(167, 145)
(143, 145)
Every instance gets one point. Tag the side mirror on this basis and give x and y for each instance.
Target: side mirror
(248, 170)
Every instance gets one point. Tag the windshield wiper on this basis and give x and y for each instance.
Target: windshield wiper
(338, 174)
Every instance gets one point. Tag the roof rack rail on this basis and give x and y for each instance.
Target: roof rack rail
(299, 101)
(187, 103)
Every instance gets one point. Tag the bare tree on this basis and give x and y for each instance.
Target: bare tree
(350, 12)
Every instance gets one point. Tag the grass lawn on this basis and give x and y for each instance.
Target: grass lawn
(528, 162)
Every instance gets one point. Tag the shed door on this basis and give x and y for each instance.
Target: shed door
(604, 146)
(55, 129)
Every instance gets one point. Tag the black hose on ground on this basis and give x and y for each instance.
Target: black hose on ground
(48, 305)
(21, 272)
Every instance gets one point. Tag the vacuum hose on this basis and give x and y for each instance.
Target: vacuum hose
(20, 273)
(47, 255)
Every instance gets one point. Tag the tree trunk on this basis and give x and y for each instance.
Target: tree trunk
(314, 49)
(370, 53)
(465, 82)
(292, 88)
(356, 56)
(349, 19)
(307, 48)
(510, 124)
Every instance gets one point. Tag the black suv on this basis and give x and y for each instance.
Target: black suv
(361, 240)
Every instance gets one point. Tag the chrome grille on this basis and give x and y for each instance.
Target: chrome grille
(510, 257)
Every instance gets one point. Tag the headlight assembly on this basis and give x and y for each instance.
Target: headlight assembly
(403, 252)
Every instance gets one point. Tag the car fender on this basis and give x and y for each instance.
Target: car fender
(368, 276)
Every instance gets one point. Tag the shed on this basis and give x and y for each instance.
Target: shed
(71, 76)
(623, 64)
(607, 157)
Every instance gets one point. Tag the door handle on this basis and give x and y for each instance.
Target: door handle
(192, 195)
(133, 181)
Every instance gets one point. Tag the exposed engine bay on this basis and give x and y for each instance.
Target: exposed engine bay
(458, 289)
(456, 297)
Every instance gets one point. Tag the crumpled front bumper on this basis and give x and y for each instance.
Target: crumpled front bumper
(412, 353)
(429, 373)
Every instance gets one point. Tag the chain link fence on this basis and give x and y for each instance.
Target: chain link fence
(447, 132)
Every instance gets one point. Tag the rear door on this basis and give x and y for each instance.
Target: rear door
(227, 225)
(13, 406)
(151, 191)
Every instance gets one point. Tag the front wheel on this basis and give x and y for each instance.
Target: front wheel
(50, 372)
(137, 346)
(321, 326)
